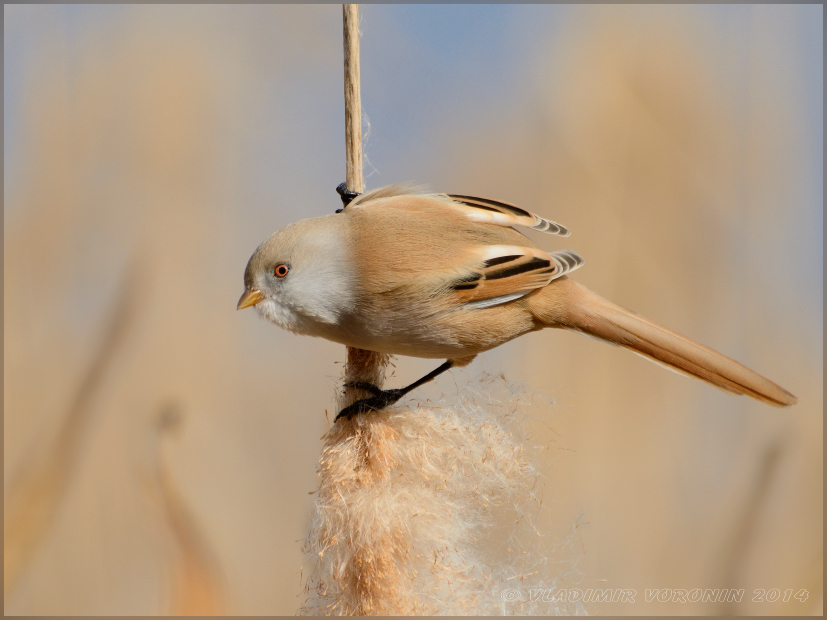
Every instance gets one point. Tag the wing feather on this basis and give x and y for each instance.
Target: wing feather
(505, 214)
(483, 210)
(387, 191)
(502, 273)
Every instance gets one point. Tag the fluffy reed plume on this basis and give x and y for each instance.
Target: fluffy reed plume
(407, 497)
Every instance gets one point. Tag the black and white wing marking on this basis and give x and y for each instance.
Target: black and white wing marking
(504, 214)
(503, 273)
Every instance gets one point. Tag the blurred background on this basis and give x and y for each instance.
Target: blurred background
(160, 447)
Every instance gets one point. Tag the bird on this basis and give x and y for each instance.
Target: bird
(402, 271)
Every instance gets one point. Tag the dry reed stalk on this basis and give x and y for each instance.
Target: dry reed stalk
(36, 490)
(197, 585)
(353, 99)
(362, 366)
(403, 495)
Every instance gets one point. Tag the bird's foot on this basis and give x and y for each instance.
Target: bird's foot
(380, 399)
(346, 195)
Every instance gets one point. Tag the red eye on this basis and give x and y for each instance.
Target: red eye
(281, 270)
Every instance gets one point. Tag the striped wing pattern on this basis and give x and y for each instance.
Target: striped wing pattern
(509, 272)
(504, 214)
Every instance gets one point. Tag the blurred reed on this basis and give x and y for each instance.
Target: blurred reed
(40, 481)
(196, 583)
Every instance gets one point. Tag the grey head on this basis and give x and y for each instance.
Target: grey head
(300, 278)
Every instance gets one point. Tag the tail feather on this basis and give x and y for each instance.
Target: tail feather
(566, 304)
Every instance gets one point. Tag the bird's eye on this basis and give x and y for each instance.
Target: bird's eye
(281, 270)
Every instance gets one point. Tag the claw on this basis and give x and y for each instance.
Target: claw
(368, 387)
(346, 195)
(382, 399)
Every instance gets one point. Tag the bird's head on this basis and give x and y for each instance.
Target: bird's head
(300, 278)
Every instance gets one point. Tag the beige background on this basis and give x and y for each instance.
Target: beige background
(163, 465)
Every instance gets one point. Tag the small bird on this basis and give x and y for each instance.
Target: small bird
(447, 276)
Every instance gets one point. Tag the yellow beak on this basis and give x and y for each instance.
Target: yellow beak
(250, 298)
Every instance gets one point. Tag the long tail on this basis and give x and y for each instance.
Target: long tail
(566, 304)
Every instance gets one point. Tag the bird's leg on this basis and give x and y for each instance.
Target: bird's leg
(346, 195)
(383, 398)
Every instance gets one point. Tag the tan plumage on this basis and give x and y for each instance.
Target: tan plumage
(448, 276)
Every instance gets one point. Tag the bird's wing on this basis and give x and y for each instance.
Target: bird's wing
(503, 214)
(481, 210)
(501, 273)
